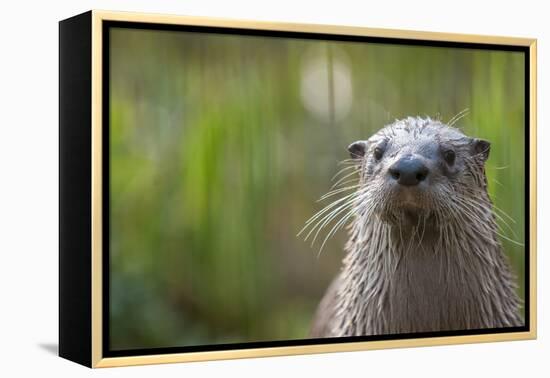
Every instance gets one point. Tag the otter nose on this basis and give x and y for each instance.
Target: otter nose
(409, 171)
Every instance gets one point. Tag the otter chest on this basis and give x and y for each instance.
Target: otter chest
(426, 292)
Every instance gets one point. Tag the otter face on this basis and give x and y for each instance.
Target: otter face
(414, 166)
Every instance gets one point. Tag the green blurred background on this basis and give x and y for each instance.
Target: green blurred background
(220, 146)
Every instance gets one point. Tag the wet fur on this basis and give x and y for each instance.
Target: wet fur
(436, 267)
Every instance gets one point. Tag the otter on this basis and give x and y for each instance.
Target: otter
(423, 253)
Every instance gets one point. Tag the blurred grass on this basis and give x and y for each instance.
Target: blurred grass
(220, 146)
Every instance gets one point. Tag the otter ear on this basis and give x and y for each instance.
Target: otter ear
(481, 148)
(358, 149)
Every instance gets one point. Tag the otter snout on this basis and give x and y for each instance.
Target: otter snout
(408, 171)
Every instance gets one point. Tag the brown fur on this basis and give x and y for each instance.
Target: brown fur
(421, 259)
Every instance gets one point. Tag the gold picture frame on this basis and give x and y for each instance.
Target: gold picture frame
(82, 251)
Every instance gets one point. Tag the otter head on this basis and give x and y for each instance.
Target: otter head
(419, 169)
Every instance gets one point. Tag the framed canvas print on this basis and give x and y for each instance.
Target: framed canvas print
(235, 189)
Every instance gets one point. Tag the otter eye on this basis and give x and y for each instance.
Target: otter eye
(449, 156)
(378, 153)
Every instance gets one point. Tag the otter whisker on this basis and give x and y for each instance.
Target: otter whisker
(497, 182)
(494, 207)
(504, 213)
(327, 208)
(335, 228)
(337, 191)
(342, 171)
(458, 116)
(499, 168)
(344, 178)
(349, 181)
(510, 240)
(356, 161)
(480, 223)
(359, 195)
(501, 220)
(475, 203)
(327, 218)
